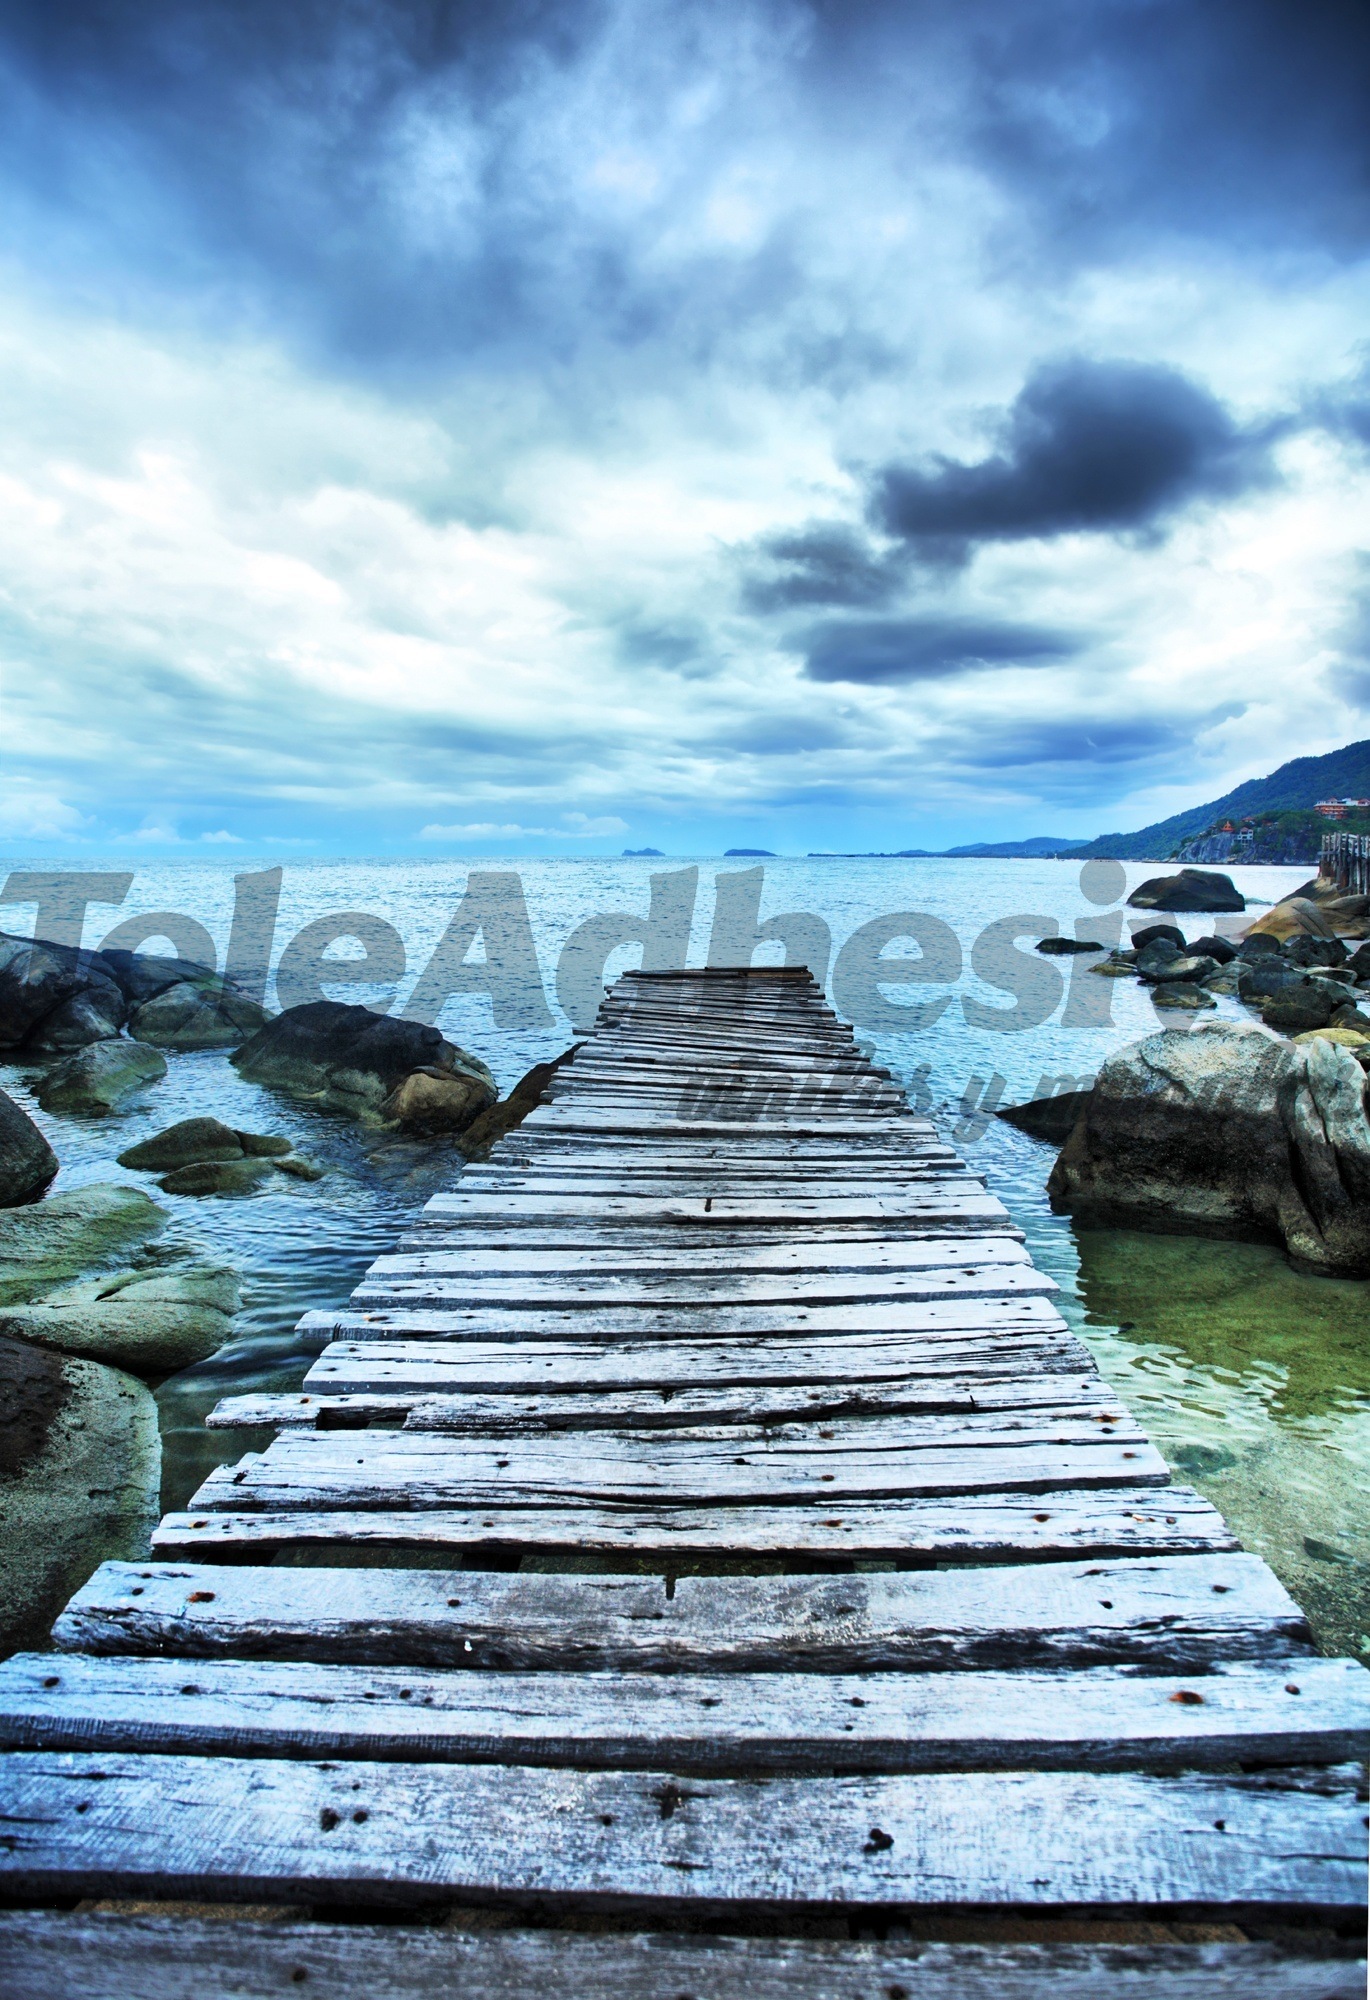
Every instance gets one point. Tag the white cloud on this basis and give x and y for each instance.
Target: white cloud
(222, 838)
(579, 827)
(39, 815)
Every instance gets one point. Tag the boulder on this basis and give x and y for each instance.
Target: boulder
(1296, 1008)
(299, 1167)
(1220, 948)
(27, 1161)
(349, 1059)
(1345, 1038)
(51, 1242)
(150, 1323)
(1259, 978)
(1295, 917)
(1050, 1118)
(1257, 944)
(1191, 889)
(1064, 947)
(80, 1469)
(1158, 934)
(35, 980)
(187, 1016)
(1118, 965)
(1226, 1131)
(1177, 971)
(141, 977)
(437, 1101)
(1227, 978)
(101, 1078)
(1182, 996)
(1310, 951)
(95, 1014)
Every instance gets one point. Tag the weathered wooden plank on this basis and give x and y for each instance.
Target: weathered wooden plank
(565, 1118)
(255, 1829)
(518, 1409)
(836, 1361)
(1176, 1612)
(651, 1291)
(106, 1955)
(931, 1317)
(966, 1200)
(923, 1253)
(994, 1527)
(704, 1468)
(1293, 1711)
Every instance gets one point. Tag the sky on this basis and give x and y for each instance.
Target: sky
(521, 428)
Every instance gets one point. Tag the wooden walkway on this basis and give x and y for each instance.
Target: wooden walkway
(701, 1562)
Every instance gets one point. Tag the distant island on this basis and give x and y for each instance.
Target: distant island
(643, 853)
(749, 854)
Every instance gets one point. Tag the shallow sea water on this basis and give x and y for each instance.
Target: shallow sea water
(1254, 1379)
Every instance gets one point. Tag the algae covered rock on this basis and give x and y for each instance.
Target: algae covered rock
(80, 1469)
(27, 1161)
(150, 1324)
(51, 1242)
(1226, 1131)
(237, 1176)
(101, 1078)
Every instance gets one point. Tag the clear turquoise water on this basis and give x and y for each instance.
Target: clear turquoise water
(1251, 1377)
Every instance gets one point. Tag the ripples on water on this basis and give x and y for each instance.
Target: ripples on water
(1254, 1379)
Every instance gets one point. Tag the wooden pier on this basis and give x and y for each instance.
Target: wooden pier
(701, 1562)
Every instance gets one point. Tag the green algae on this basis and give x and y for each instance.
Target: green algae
(1254, 1379)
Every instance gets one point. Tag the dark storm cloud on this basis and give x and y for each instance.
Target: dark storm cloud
(825, 563)
(278, 155)
(924, 649)
(1081, 742)
(1088, 446)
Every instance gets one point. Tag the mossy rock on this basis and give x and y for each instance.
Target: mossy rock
(50, 1242)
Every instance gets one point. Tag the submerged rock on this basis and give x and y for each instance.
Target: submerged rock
(100, 1078)
(1227, 1132)
(1064, 947)
(238, 1176)
(1050, 1118)
(27, 1161)
(1191, 889)
(196, 1139)
(51, 1242)
(80, 1468)
(351, 1060)
(150, 1323)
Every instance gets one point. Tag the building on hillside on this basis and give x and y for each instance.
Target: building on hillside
(1331, 808)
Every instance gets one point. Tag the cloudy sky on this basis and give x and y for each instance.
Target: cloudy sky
(510, 427)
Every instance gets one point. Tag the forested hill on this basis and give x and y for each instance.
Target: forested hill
(1295, 786)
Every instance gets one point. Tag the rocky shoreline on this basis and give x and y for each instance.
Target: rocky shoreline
(99, 1303)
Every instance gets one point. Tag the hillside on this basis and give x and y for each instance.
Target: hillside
(1295, 787)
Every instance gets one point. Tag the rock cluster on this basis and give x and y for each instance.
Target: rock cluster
(376, 1067)
(55, 998)
(205, 1156)
(80, 1456)
(1226, 1131)
(1300, 984)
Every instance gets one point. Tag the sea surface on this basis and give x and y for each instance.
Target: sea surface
(1253, 1378)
